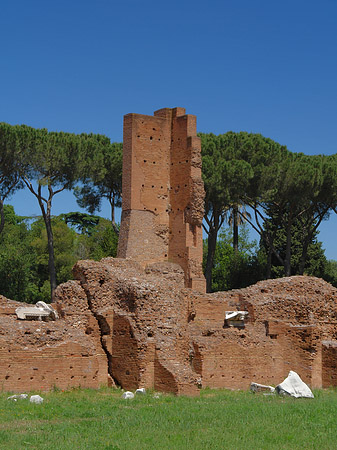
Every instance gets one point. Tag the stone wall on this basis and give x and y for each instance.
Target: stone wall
(43, 355)
(134, 327)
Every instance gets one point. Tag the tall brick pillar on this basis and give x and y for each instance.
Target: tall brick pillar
(163, 192)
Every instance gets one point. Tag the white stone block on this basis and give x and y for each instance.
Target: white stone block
(140, 391)
(236, 318)
(36, 399)
(294, 386)
(128, 394)
(256, 387)
(17, 397)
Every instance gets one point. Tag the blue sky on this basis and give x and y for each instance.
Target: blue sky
(260, 66)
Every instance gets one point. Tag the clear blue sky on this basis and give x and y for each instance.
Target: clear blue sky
(260, 66)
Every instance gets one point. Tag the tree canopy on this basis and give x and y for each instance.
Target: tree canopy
(24, 273)
(243, 170)
(49, 163)
(237, 170)
(102, 179)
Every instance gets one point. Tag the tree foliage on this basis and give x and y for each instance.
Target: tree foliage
(288, 196)
(10, 180)
(315, 261)
(17, 276)
(235, 269)
(81, 222)
(49, 163)
(243, 170)
(237, 168)
(24, 273)
(302, 193)
(103, 179)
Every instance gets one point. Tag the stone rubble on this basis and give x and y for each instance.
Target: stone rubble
(17, 397)
(294, 386)
(128, 395)
(36, 399)
(256, 387)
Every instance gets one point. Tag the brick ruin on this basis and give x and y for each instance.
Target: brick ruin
(144, 320)
(163, 193)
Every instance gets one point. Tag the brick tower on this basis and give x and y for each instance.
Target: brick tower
(163, 193)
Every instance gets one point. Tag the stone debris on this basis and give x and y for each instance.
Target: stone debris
(40, 311)
(17, 397)
(294, 386)
(256, 387)
(235, 318)
(36, 399)
(140, 391)
(128, 394)
(46, 307)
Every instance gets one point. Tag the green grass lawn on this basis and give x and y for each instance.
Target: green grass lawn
(88, 419)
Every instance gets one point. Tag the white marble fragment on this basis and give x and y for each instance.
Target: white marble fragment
(235, 318)
(36, 399)
(17, 397)
(128, 394)
(256, 387)
(39, 311)
(49, 308)
(140, 391)
(294, 386)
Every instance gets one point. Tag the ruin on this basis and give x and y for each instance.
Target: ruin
(143, 320)
(163, 193)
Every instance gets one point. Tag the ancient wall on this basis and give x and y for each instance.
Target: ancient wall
(57, 354)
(120, 323)
(163, 192)
(291, 326)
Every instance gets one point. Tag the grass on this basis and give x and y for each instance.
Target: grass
(88, 419)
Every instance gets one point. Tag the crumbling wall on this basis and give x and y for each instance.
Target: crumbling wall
(288, 320)
(147, 333)
(142, 328)
(46, 355)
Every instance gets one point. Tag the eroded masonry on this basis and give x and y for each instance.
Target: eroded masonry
(163, 193)
(144, 320)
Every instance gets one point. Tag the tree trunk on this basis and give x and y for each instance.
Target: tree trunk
(311, 229)
(2, 216)
(304, 255)
(211, 244)
(269, 256)
(235, 230)
(287, 260)
(51, 258)
(113, 222)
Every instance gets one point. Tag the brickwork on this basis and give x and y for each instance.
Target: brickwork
(163, 192)
(43, 355)
(120, 323)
